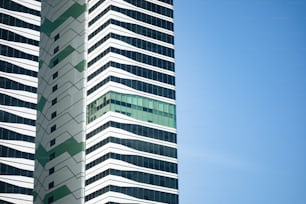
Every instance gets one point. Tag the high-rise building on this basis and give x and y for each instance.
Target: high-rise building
(19, 39)
(106, 121)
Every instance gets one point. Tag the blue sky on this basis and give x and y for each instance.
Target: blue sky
(241, 101)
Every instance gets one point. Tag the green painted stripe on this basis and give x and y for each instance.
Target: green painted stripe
(41, 104)
(41, 62)
(34, 195)
(74, 11)
(57, 194)
(61, 55)
(81, 66)
(70, 146)
(41, 155)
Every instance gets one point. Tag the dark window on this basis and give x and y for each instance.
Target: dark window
(53, 128)
(53, 115)
(56, 37)
(56, 50)
(55, 62)
(54, 88)
(51, 185)
(50, 199)
(54, 101)
(51, 171)
(52, 142)
(52, 156)
(55, 75)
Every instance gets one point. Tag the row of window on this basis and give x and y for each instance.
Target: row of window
(137, 16)
(10, 135)
(13, 6)
(11, 118)
(11, 68)
(11, 52)
(139, 71)
(139, 193)
(138, 161)
(161, 23)
(9, 188)
(152, 7)
(137, 145)
(138, 85)
(11, 36)
(10, 84)
(167, 1)
(138, 177)
(140, 57)
(10, 170)
(11, 101)
(151, 33)
(12, 21)
(153, 47)
(138, 130)
(142, 4)
(13, 153)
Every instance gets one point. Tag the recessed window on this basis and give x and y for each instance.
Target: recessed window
(56, 50)
(51, 185)
(57, 37)
(55, 62)
(54, 88)
(54, 101)
(51, 156)
(53, 128)
(52, 142)
(53, 115)
(55, 75)
(51, 171)
(50, 199)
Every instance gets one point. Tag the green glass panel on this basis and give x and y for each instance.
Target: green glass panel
(137, 107)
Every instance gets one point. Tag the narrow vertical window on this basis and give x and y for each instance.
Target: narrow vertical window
(54, 88)
(52, 142)
(53, 128)
(51, 185)
(51, 171)
(56, 37)
(54, 76)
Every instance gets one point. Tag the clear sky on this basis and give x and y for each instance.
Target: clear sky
(241, 101)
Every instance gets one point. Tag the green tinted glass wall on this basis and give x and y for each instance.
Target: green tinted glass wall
(138, 107)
